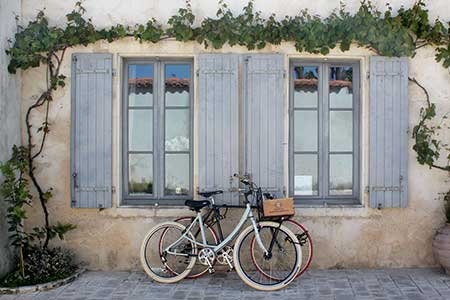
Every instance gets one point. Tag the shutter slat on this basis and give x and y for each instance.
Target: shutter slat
(91, 149)
(388, 132)
(218, 124)
(264, 118)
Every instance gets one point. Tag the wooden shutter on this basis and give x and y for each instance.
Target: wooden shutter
(218, 123)
(91, 138)
(388, 178)
(264, 122)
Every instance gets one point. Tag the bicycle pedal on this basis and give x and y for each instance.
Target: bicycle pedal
(211, 271)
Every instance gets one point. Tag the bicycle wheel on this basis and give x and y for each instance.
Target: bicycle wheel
(165, 256)
(282, 266)
(305, 241)
(211, 237)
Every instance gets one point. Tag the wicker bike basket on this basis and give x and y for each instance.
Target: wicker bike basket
(278, 207)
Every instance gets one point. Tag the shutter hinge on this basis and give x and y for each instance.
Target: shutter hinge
(284, 73)
(367, 189)
(114, 72)
(113, 189)
(74, 58)
(368, 75)
(385, 188)
(197, 72)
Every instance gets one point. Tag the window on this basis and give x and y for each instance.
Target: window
(157, 158)
(324, 131)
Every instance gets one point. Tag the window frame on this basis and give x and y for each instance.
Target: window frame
(323, 152)
(159, 128)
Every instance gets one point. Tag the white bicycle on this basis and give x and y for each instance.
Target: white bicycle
(170, 249)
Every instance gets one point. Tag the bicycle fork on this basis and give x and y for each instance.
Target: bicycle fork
(257, 236)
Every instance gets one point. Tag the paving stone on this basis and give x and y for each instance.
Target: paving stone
(380, 284)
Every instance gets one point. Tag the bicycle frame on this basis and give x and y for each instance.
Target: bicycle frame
(248, 214)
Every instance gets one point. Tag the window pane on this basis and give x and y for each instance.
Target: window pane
(305, 130)
(177, 129)
(341, 174)
(177, 79)
(341, 130)
(140, 174)
(177, 174)
(140, 85)
(341, 87)
(305, 174)
(140, 129)
(306, 81)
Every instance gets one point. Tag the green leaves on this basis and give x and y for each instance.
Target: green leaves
(14, 190)
(181, 25)
(388, 33)
(151, 32)
(60, 230)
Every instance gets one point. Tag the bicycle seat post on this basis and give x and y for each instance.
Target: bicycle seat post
(212, 200)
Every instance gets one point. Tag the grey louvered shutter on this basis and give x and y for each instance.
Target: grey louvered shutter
(91, 130)
(218, 124)
(264, 107)
(388, 177)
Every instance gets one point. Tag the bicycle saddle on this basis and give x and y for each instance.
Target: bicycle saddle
(210, 193)
(196, 204)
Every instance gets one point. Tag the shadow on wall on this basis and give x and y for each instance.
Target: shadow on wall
(9, 116)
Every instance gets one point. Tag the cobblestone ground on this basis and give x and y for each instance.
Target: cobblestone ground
(395, 284)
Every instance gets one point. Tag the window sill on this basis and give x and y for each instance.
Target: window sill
(151, 206)
(328, 203)
(153, 203)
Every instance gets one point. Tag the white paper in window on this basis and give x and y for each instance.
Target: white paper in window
(303, 185)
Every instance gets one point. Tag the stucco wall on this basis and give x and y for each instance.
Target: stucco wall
(343, 236)
(9, 114)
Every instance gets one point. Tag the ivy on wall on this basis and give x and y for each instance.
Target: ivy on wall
(387, 33)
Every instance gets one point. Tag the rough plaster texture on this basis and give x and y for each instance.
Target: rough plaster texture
(344, 236)
(9, 114)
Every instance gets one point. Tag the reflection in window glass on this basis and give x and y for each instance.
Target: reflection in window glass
(341, 87)
(177, 130)
(305, 174)
(140, 173)
(140, 130)
(341, 174)
(140, 85)
(305, 130)
(177, 79)
(158, 112)
(177, 174)
(341, 130)
(306, 80)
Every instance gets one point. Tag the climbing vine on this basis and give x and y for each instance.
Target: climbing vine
(387, 33)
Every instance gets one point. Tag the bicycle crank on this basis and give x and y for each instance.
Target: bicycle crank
(207, 257)
(225, 257)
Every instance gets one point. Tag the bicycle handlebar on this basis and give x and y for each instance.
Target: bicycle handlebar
(242, 178)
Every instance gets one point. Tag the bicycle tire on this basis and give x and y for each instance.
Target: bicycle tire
(290, 238)
(304, 237)
(146, 253)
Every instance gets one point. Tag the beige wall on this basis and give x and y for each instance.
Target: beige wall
(344, 236)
